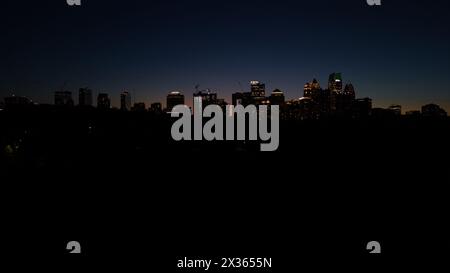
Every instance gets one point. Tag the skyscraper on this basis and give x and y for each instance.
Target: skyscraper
(85, 97)
(205, 97)
(173, 99)
(258, 92)
(335, 82)
(103, 101)
(277, 97)
(125, 101)
(63, 98)
(310, 88)
(349, 91)
(345, 100)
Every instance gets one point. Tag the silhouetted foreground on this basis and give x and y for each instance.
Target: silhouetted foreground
(101, 175)
(82, 141)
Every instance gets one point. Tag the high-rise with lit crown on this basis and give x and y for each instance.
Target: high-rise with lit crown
(258, 89)
(335, 82)
(173, 99)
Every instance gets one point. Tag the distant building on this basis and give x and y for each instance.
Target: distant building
(382, 113)
(396, 109)
(156, 107)
(277, 97)
(240, 98)
(202, 99)
(103, 101)
(63, 98)
(139, 107)
(433, 110)
(362, 108)
(304, 108)
(413, 113)
(173, 99)
(85, 97)
(325, 102)
(125, 101)
(16, 102)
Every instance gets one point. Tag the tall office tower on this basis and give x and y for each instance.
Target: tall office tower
(173, 99)
(85, 97)
(349, 91)
(204, 98)
(345, 100)
(310, 88)
(63, 98)
(335, 82)
(125, 101)
(103, 101)
(258, 89)
(277, 97)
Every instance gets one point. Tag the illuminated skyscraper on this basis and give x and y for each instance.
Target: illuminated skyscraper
(335, 82)
(125, 101)
(258, 89)
(277, 97)
(258, 92)
(173, 99)
(310, 88)
(345, 100)
(349, 91)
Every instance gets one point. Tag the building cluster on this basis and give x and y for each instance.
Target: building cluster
(337, 100)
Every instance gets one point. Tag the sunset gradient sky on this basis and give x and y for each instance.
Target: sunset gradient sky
(396, 54)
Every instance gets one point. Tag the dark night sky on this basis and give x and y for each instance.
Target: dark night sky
(396, 53)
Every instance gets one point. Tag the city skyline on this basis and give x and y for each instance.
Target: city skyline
(339, 99)
(393, 53)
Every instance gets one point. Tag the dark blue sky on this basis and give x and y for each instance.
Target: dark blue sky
(396, 53)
